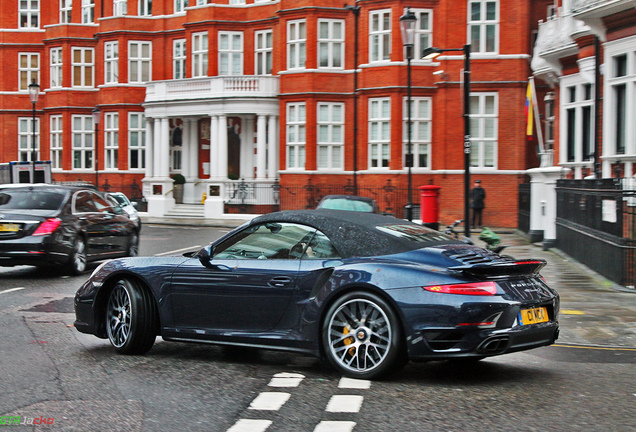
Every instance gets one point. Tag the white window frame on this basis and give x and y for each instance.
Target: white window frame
(482, 23)
(120, 7)
(296, 44)
(200, 54)
(425, 33)
(178, 58)
(379, 36)
(83, 142)
(613, 80)
(263, 52)
(145, 7)
(379, 145)
(55, 67)
(56, 145)
(88, 11)
(25, 138)
(87, 67)
(139, 63)
(573, 100)
(331, 46)
(29, 71)
(237, 2)
(479, 141)
(296, 136)
(66, 9)
(421, 129)
(230, 54)
(111, 140)
(111, 62)
(180, 5)
(202, 2)
(28, 14)
(331, 142)
(137, 134)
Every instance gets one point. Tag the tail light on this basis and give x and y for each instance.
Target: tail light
(47, 227)
(474, 288)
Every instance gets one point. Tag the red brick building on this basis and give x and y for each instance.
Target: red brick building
(235, 95)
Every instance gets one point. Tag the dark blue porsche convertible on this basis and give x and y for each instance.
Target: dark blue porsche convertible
(365, 291)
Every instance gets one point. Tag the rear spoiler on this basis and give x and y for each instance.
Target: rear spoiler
(500, 269)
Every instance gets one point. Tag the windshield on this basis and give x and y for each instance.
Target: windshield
(120, 199)
(30, 200)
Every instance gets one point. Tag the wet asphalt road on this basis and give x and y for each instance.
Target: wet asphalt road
(587, 381)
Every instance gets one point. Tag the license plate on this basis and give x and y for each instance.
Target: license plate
(8, 227)
(533, 316)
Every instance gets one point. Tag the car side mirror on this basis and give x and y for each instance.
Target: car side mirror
(205, 256)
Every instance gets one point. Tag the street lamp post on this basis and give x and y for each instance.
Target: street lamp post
(407, 26)
(34, 92)
(356, 14)
(430, 53)
(97, 115)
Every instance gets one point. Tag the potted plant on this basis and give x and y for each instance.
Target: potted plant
(177, 190)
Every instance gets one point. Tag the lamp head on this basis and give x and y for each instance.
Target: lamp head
(97, 115)
(34, 91)
(430, 53)
(407, 27)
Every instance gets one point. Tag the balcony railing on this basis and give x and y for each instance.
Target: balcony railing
(556, 33)
(583, 5)
(213, 87)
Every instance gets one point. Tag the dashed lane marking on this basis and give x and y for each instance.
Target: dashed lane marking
(335, 426)
(572, 312)
(345, 403)
(245, 425)
(350, 383)
(12, 290)
(285, 379)
(269, 401)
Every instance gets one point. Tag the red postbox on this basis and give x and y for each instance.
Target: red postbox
(429, 206)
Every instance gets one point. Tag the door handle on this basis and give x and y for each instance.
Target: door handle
(279, 281)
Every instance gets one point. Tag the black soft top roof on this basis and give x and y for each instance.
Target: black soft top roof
(362, 234)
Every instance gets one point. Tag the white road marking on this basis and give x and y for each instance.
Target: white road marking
(11, 290)
(345, 403)
(350, 383)
(335, 426)
(269, 401)
(286, 379)
(244, 425)
(178, 250)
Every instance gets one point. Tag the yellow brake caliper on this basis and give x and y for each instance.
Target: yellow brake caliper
(349, 341)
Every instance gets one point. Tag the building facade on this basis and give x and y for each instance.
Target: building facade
(270, 103)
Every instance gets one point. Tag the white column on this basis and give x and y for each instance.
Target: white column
(272, 147)
(247, 149)
(149, 147)
(185, 146)
(222, 140)
(164, 150)
(194, 149)
(214, 146)
(261, 146)
(157, 148)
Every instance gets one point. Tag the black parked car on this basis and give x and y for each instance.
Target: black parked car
(45, 225)
(366, 291)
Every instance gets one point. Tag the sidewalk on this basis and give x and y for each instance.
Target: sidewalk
(594, 310)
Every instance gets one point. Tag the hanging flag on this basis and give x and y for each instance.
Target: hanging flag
(529, 111)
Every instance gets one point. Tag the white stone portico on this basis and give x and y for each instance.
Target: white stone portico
(233, 119)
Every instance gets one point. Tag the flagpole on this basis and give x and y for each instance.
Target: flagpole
(537, 122)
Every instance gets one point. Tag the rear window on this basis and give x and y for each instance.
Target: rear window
(415, 233)
(347, 204)
(30, 200)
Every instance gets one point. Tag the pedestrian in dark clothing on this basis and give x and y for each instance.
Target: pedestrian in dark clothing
(477, 197)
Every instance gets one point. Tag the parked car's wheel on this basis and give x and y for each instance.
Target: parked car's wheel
(77, 260)
(130, 318)
(133, 245)
(362, 337)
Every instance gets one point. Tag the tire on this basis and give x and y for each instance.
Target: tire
(133, 245)
(375, 347)
(77, 260)
(130, 318)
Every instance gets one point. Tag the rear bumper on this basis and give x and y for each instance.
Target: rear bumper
(32, 251)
